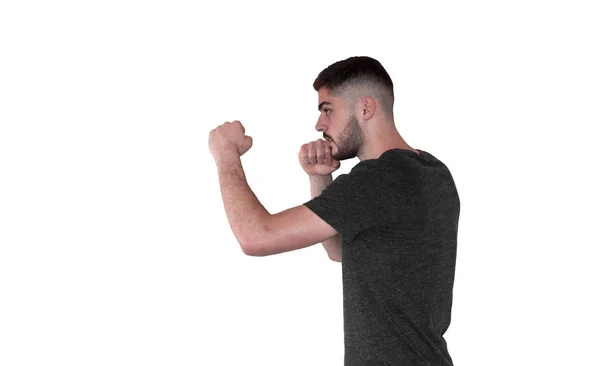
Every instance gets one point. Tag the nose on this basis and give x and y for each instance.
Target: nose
(320, 126)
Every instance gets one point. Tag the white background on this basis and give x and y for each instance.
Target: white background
(114, 245)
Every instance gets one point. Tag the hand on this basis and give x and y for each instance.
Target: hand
(229, 137)
(315, 158)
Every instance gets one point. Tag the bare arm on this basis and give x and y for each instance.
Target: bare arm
(333, 245)
(244, 211)
(258, 232)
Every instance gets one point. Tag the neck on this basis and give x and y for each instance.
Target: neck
(381, 141)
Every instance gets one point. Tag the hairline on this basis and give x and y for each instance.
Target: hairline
(355, 89)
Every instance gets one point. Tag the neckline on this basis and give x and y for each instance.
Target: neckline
(419, 153)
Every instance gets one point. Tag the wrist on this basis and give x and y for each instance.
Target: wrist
(227, 159)
(227, 154)
(318, 177)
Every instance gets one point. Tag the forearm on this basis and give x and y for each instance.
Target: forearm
(244, 211)
(332, 245)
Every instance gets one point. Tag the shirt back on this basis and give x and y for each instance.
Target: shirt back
(397, 216)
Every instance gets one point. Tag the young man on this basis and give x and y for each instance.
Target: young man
(392, 220)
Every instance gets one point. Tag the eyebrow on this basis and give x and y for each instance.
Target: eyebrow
(321, 105)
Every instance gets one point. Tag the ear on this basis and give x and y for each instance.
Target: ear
(367, 107)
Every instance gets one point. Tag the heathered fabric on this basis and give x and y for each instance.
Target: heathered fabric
(397, 216)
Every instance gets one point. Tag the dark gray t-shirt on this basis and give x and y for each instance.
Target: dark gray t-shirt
(397, 216)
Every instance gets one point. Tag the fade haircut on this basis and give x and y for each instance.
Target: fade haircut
(356, 77)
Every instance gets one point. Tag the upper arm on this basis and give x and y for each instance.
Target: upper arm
(295, 228)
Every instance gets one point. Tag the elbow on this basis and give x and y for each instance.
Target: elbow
(250, 249)
(247, 248)
(252, 241)
(247, 243)
(256, 249)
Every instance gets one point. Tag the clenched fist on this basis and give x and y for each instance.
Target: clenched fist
(315, 158)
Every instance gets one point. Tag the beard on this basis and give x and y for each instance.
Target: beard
(349, 141)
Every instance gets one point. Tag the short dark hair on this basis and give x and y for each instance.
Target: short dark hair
(354, 71)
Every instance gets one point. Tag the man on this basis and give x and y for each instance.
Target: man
(392, 221)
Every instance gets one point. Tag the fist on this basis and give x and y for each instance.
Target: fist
(315, 158)
(230, 136)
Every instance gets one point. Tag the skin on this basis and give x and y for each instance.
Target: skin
(361, 130)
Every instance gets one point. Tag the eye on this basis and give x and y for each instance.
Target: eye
(327, 111)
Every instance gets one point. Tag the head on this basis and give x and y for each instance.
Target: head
(356, 98)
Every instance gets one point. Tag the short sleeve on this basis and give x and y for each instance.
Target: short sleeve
(352, 203)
